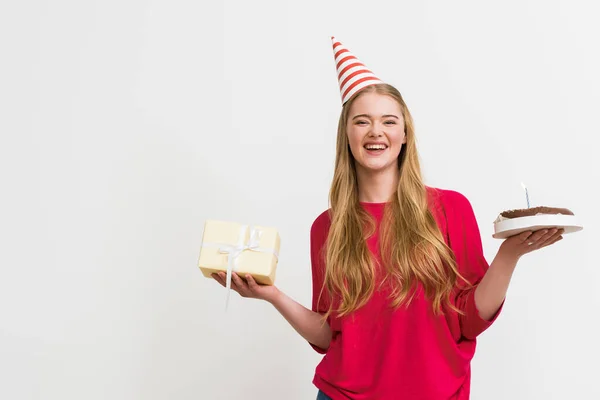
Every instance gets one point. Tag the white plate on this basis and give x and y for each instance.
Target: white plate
(514, 226)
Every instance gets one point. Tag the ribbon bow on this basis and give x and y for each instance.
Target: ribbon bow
(235, 251)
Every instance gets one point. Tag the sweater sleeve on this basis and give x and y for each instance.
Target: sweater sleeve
(320, 301)
(465, 240)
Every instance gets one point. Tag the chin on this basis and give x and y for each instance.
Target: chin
(374, 167)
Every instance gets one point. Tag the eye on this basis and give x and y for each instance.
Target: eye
(391, 122)
(361, 122)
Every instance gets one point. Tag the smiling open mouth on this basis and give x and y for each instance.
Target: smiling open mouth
(375, 148)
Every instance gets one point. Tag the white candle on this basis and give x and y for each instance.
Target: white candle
(526, 194)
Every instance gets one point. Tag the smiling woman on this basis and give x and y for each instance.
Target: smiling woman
(401, 288)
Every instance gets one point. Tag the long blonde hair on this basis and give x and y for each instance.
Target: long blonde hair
(412, 247)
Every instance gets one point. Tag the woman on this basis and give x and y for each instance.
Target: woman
(401, 288)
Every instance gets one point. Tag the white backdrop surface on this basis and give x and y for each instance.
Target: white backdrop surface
(125, 125)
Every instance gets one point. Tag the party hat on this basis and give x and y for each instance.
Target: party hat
(352, 74)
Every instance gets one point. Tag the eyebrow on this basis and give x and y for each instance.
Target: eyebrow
(369, 116)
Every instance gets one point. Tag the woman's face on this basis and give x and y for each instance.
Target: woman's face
(375, 132)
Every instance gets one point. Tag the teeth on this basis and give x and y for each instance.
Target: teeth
(375, 147)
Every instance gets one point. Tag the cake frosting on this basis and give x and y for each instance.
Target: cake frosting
(533, 211)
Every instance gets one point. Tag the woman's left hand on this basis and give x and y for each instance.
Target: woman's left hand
(526, 242)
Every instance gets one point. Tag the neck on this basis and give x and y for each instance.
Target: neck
(377, 186)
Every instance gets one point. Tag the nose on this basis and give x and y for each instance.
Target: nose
(376, 130)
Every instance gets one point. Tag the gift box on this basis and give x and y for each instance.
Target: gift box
(244, 249)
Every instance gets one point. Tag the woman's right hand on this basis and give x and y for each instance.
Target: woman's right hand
(248, 287)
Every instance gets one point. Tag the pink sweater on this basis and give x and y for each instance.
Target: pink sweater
(407, 354)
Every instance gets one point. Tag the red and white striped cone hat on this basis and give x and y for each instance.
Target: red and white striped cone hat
(352, 74)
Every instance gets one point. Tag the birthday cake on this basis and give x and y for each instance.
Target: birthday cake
(513, 222)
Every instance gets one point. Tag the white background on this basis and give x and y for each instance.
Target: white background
(126, 124)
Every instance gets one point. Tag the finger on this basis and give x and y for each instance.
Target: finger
(553, 236)
(523, 236)
(223, 280)
(552, 232)
(252, 285)
(217, 278)
(223, 277)
(539, 235)
(529, 239)
(548, 233)
(549, 237)
(534, 240)
(554, 240)
(239, 282)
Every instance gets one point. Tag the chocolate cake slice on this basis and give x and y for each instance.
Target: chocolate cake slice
(513, 222)
(528, 212)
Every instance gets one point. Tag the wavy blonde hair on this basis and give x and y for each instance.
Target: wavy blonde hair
(412, 246)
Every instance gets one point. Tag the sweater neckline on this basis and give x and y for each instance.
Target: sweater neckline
(374, 204)
(376, 209)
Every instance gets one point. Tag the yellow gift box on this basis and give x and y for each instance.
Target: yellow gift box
(244, 249)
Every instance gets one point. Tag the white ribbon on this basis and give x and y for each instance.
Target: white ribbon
(235, 251)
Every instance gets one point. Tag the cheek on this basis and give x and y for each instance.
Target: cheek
(399, 138)
(354, 139)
